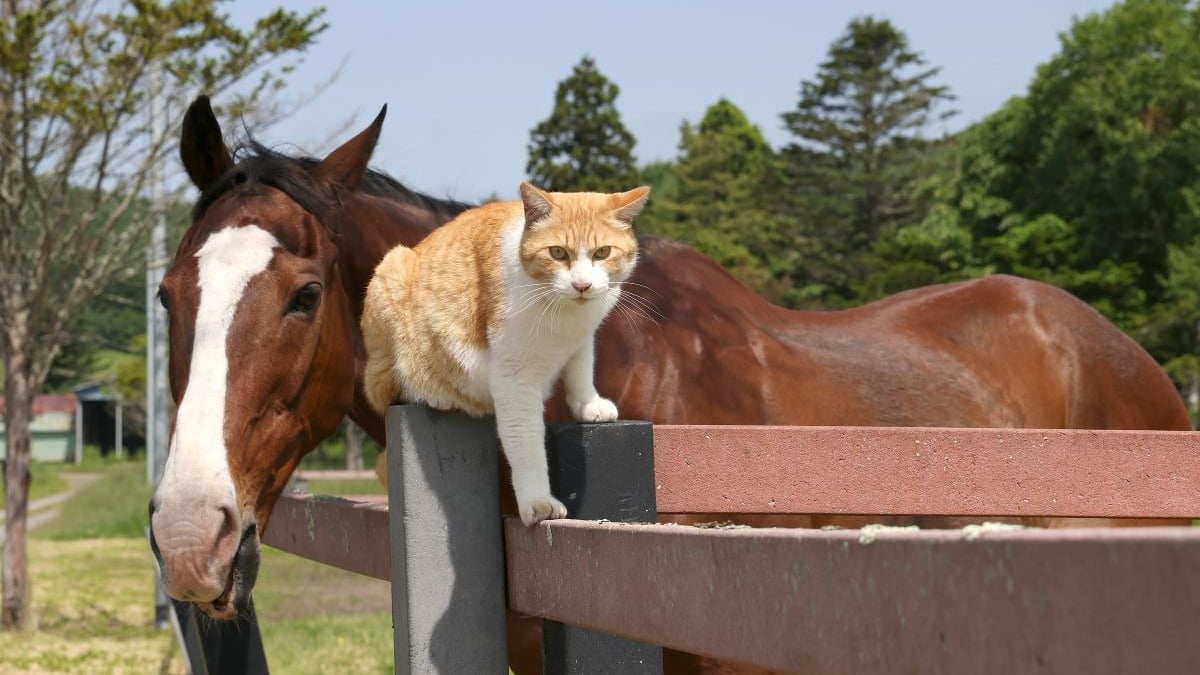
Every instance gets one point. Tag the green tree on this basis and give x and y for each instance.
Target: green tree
(1088, 180)
(1172, 328)
(75, 158)
(939, 248)
(725, 179)
(583, 145)
(859, 151)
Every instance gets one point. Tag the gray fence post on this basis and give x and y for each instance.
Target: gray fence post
(447, 546)
(601, 471)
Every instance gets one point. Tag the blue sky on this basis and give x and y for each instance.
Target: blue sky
(466, 81)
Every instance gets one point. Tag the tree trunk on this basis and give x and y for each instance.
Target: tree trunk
(18, 411)
(354, 457)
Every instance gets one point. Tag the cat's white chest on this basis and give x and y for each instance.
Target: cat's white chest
(541, 329)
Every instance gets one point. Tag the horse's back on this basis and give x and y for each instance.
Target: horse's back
(994, 352)
(1042, 357)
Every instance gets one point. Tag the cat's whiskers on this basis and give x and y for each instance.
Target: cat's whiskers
(633, 283)
(536, 284)
(640, 305)
(644, 306)
(546, 307)
(530, 299)
(637, 308)
(634, 315)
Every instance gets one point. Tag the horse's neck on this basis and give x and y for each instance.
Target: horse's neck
(372, 227)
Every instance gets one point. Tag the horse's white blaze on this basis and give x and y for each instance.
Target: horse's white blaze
(196, 465)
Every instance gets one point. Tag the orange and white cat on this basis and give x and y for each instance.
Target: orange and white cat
(489, 310)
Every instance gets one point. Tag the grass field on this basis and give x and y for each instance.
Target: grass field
(344, 488)
(93, 598)
(47, 480)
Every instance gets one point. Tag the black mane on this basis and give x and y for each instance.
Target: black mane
(257, 165)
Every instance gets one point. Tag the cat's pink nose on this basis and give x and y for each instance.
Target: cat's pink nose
(581, 286)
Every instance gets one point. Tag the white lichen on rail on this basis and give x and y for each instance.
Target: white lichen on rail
(973, 532)
(867, 534)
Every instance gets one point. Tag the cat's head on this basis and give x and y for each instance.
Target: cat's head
(581, 243)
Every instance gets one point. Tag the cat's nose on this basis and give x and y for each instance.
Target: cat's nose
(581, 286)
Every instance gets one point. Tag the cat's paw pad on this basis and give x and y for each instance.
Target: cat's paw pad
(596, 410)
(541, 508)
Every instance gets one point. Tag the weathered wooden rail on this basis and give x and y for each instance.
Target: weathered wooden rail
(980, 600)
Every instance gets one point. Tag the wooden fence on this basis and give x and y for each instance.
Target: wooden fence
(875, 600)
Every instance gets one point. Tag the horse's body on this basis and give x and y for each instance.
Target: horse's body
(994, 352)
(288, 359)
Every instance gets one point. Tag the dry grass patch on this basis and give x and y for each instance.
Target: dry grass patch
(93, 603)
(94, 607)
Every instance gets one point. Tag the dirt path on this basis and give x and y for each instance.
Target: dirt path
(44, 510)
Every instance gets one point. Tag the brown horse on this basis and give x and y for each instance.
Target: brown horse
(267, 286)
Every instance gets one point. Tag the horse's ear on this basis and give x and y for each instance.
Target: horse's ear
(201, 146)
(629, 204)
(345, 166)
(537, 203)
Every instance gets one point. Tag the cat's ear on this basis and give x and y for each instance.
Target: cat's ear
(537, 204)
(626, 205)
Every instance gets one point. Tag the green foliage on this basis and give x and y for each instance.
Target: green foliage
(1171, 329)
(583, 145)
(859, 155)
(664, 192)
(1086, 181)
(720, 197)
(77, 82)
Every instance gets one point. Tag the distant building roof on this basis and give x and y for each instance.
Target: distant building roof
(45, 404)
(91, 392)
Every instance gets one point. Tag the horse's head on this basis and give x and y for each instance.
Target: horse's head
(261, 337)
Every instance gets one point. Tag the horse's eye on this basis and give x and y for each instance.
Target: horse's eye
(306, 299)
(162, 300)
(558, 253)
(602, 252)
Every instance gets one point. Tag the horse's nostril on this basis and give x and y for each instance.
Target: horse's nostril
(228, 522)
(154, 547)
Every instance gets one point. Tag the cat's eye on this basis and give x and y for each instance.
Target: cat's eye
(558, 253)
(602, 252)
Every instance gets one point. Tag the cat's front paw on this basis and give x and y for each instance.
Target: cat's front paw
(596, 410)
(541, 508)
(440, 405)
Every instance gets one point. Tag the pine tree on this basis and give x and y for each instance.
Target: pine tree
(859, 149)
(583, 145)
(726, 175)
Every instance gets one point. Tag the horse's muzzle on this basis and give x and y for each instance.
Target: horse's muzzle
(205, 558)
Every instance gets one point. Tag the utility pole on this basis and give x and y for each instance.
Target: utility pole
(156, 329)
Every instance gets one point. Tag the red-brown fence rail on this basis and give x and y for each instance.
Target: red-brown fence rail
(927, 471)
(870, 601)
